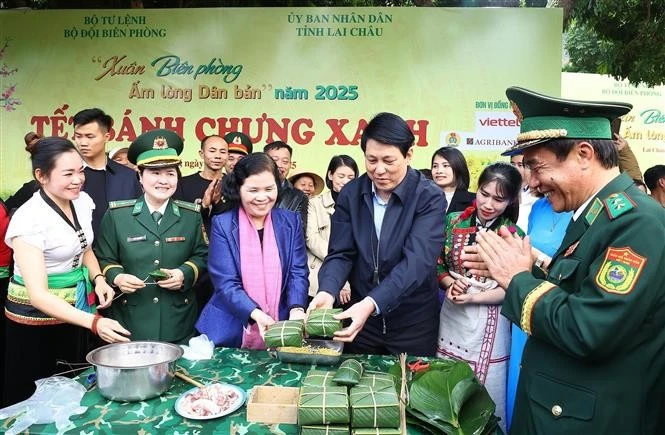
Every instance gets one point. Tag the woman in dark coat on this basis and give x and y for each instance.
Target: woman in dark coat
(451, 174)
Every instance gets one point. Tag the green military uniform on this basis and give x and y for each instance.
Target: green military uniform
(595, 359)
(131, 241)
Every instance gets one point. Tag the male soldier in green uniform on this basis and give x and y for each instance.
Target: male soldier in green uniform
(594, 362)
(142, 237)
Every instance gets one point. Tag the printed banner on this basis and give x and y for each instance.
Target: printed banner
(311, 77)
(643, 128)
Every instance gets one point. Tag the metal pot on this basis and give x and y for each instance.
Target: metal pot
(136, 370)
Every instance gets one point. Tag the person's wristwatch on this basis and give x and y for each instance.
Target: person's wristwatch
(540, 261)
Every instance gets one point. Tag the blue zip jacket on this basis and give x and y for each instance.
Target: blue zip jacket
(404, 256)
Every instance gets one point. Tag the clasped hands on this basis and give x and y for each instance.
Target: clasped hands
(500, 255)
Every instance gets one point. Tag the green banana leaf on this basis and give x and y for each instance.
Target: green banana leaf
(448, 399)
(441, 395)
(477, 413)
(159, 275)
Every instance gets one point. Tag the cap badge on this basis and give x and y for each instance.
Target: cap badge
(160, 143)
(237, 140)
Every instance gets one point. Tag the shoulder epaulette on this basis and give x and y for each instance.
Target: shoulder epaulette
(617, 204)
(188, 205)
(124, 203)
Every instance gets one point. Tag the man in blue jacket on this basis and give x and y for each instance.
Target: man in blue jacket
(386, 234)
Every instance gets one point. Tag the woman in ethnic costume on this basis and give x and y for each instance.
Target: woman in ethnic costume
(50, 297)
(471, 327)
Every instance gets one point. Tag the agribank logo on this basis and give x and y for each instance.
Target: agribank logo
(494, 131)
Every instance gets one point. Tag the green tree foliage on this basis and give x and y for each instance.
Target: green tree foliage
(624, 38)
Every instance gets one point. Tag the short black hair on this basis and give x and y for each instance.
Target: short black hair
(338, 161)
(203, 141)
(508, 183)
(87, 116)
(389, 129)
(652, 175)
(278, 144)
(605, 149)
(457, 163)
(253, 164)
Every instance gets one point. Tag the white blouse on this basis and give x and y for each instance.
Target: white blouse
(40, 226)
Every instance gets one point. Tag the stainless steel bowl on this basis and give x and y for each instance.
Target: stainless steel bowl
(134, 371)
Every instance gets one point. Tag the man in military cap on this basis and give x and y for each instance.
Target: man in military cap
(153, 249)
(239, 146)
(595, 312)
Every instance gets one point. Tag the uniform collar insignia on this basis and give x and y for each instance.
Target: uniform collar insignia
(594, 211)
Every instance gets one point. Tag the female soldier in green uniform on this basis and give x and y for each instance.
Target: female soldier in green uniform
(154, 233)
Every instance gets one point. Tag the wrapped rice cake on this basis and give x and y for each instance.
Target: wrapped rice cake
(320, 323)
(349, 372)
(377, 380)
(324, 430)
(374, 407)
(285, 333)
(376, 431)
(323, 405)
(319, 378)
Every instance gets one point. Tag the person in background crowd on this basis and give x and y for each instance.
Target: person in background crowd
(239, 146)
(595, 356)
(25, 192)
(5, 262)
(153, 233)
(50, 295)
(471, 328)
(290, 198)
(309, 183)
(205, 187)
(119, 155)
(385, 237)
(451, 174)
(627, 160)
(546, 231)
(106, 180)
(257, 259)
(527, 198)
(654, 178)
(341, 170)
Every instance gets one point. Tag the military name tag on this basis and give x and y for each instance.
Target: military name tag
(174, 239)
(620, 270)
(142, 238)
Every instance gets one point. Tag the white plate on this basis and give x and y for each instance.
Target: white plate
(242, 396)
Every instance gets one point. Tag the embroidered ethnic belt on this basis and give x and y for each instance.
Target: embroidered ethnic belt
(19, 309)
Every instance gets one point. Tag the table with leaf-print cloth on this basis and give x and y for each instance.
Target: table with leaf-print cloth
(243, 368)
